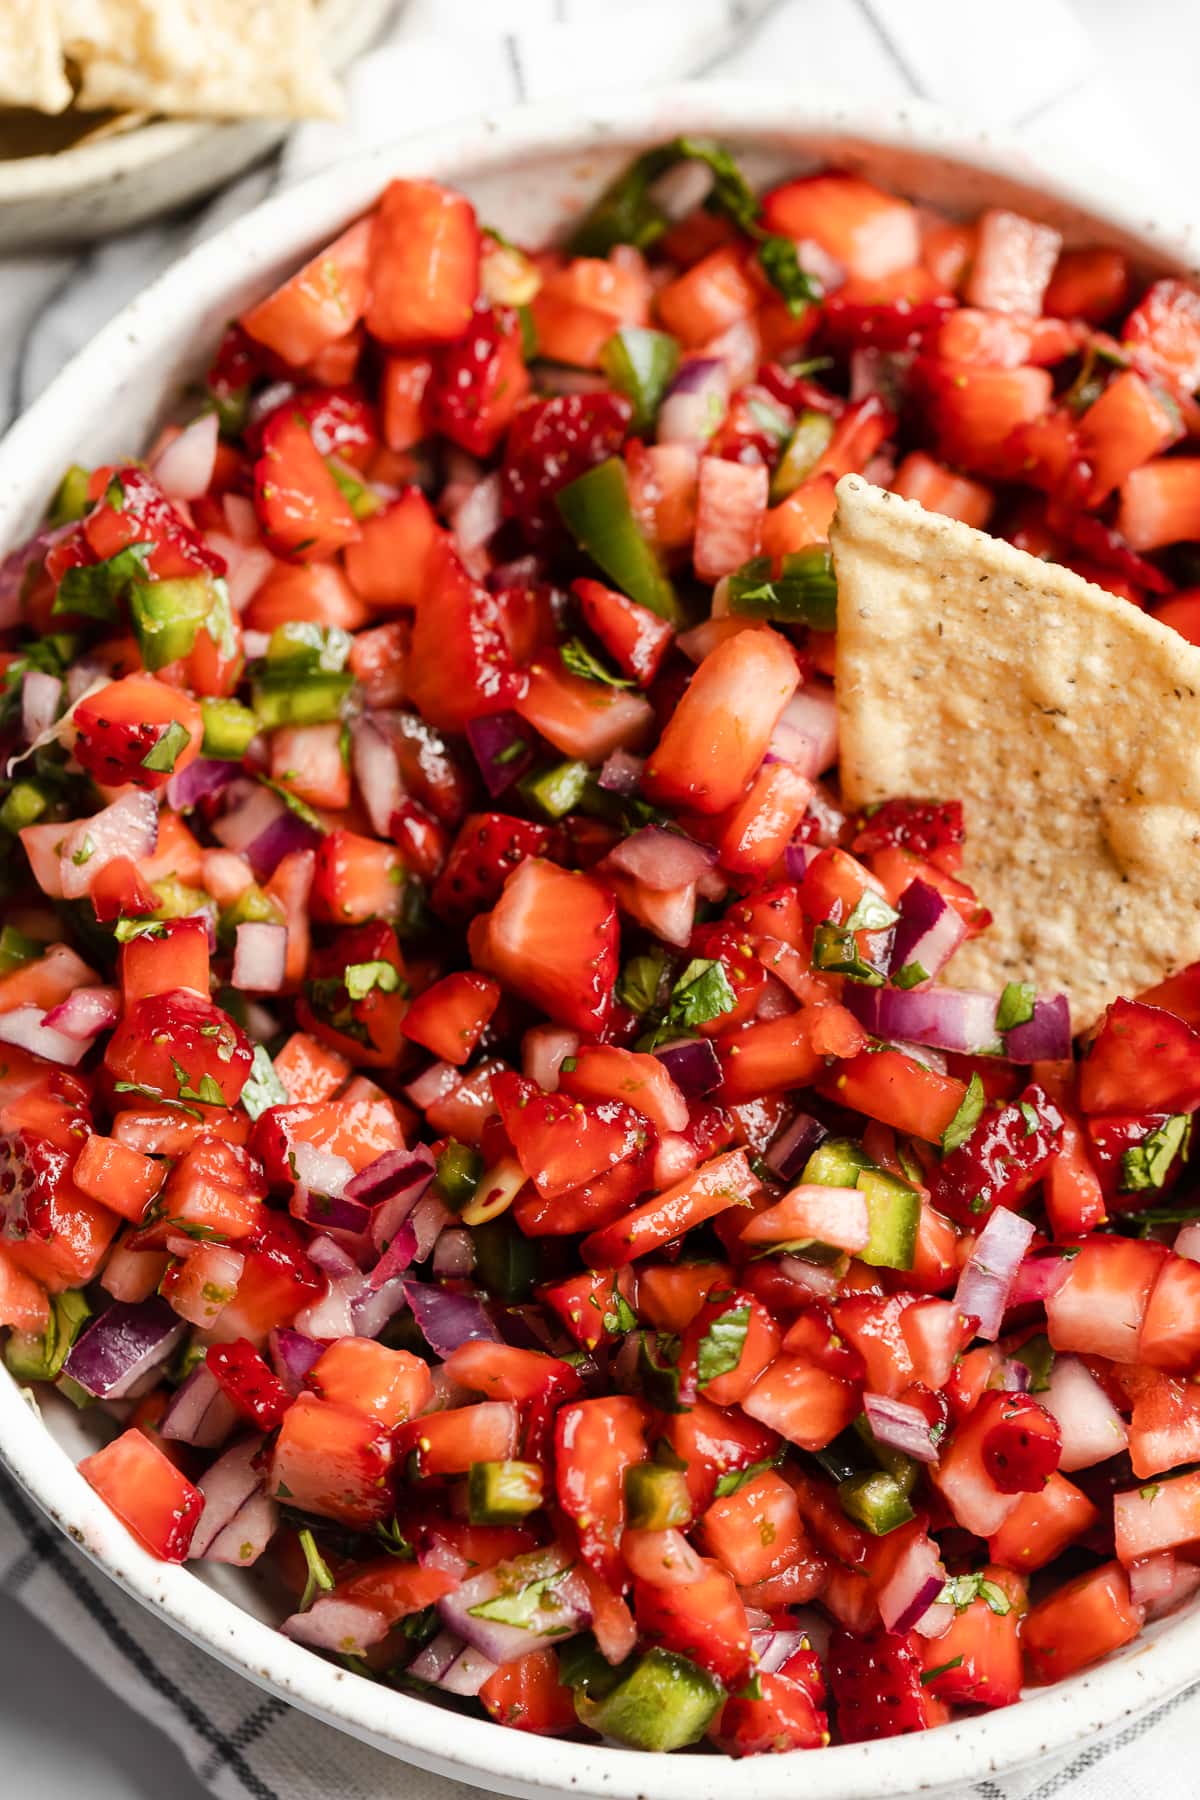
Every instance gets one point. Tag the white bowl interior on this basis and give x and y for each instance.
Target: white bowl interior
(529, 173)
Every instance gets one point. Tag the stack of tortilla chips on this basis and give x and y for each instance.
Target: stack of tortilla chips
(198, 58)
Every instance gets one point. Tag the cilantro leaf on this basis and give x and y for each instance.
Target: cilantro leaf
(524, 1607)
(872, 913)
(733, 1479)
(640, 982)
(208, 1093)
(720, 1349)
(966, 1118)
(910, 976)
(263, 1087)
(1147, 1165)
(94, 589)
(1016, 1005)
(125, 930)
(319, 1577)
(701, 993)
(961, 1590)
(577, 659)
(155, 1094)
(164, 754)
(780, 263)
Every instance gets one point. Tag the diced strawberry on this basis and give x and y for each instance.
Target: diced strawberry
(424, 265)
(868, 232)
(1163, 333)
(1006, 1154)
(553, 936)
(139, 730)
(387, 563)
(1022, 1449)
(709, 297)
(484, 854)
(719, 732)
(920, 478)
(730, 506)
(973, 412)
(478, 383)
(257, 1393)
(875, 1682)
(459, 665)
(1013, 262)
(1079, 1624)
(1124, 428)
(634, 637)
(1170, 1335)
(550, 443)
(1089, 284)
(149, 1495)
(1143, 1060)
(1099, 1307)
(1159, 503)
(584, 719)
(301, 509)
(317, 305)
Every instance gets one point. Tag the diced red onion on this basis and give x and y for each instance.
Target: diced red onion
(818, 1279)
(958, 1019)
(772, 1648)
(1046, 1037)
(226, 1487)
(696, 402)
(293, 1355)
(913, 1585)
(1092, 1428)
(330, 1212)
(661, 860)
(283, 837)
(1163, 1587)
(1037, 1279)
(184, 468)
(448, 1320)
(739, 347)
(544, 1049)
(1187, 1241)
(437, 1552)
(87, 1012)
(321, 1171)
(129, 827)
(376, 770)
(796, 858)
(199, 1412)
(454, 1253)
(41, 697)
(114, 1351)
(333, 1258)
(399, 1254)
(437, 1082)
(429, 1218)
(343, 1626)
(259, 957)
(250, 809)
(806, 735)
(564, 1611)
(16, 565)
(394, 1175)
(987, 1279)
(928, 931)
(620, 772)
(501, 745)
(207, 775)
(376, 1304)
(1016, 1377)
(899, 1426)
(451, 1665)
(794, 1145)
(25, 1026)
(476, 517)
(247, 1534)
(692, 1064)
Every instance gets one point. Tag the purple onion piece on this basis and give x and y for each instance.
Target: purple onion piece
(661, 860)
(199, 1412)
(395, 1173)
(692, 1064)
(207, 775)
(226, 1486)
(791, 1150)
(448, 1320)
(454, 1253)
(343, 1626)
(989, 1275)
(293, 1355)
(959, 1019)
(1044, 1038)
(376, 1305)
(399, 1253)
(621, 772)
(913, 1585)
(773, 1648)
(695, 403)
(247, 1534)
(331, 1212)
(16, 566)
(562, 1610)
(899, 1426)
(796, 858)
(116, 1350)
(928, 931)
(500, 743)
(282, 837)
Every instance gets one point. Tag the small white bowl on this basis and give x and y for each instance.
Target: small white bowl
(530, 172)
(92, 190)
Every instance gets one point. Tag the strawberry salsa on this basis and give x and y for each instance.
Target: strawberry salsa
(479, 1128)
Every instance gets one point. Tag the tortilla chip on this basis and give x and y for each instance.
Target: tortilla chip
(1066, 721)
(200, 58)
(31, 57)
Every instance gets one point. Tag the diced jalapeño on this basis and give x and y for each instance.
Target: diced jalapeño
(656, 1498)
(500, 1493)
(663, 1703)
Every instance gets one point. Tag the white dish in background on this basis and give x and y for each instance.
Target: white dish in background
(92, 190)
(529, 172)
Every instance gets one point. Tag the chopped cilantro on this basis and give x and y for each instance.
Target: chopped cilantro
(523, 1607)
(361, 978)
(164, 754)
(720, 1349)
(319, 1577)
(263, 1087)
(577, 659)
(872, 913)
(955, 1662)
(93, 589)
(1016, 1005)
(961, 1590)
(733, 1479)
(1147, 1165)
(639, 986)
(910, 976)
(966, 1118)
(127, 929)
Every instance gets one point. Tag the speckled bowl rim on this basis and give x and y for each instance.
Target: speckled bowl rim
(206, 285)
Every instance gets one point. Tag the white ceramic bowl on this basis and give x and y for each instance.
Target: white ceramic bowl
(530, 171)
(92, 190)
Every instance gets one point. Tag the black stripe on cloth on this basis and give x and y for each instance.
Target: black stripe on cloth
(85, 1592)
(513, 52)
(1096, 1753)
(247, 1733)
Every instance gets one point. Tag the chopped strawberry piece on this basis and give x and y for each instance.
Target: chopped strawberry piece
(875, 1682)
(258, 1394)
(484, 854)
(553, 936)
(1022, 1449)
(550, 443)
